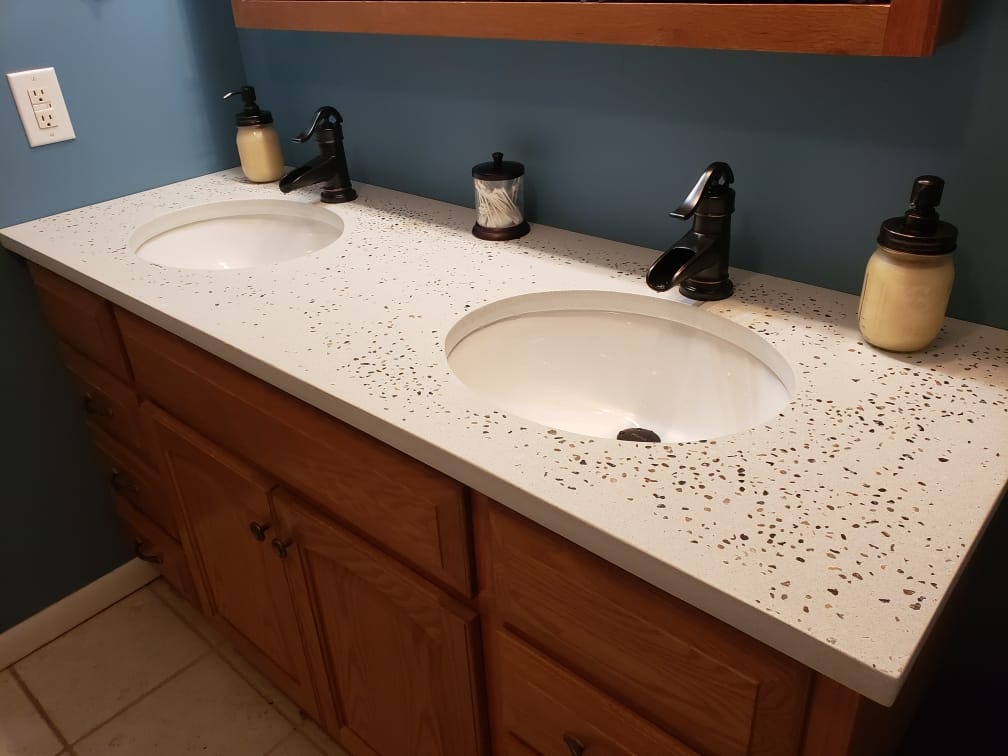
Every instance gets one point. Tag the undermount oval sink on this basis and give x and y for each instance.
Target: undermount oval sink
(235, 234)
(597, 363)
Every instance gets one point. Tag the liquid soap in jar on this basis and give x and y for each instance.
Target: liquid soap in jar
(909, 277)
(500, 201)
(258, 143)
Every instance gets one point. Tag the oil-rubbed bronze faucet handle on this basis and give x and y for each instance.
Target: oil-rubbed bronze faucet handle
(327, 115)
(718, 176)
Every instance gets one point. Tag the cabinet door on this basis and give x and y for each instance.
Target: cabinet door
(398, 654)
(226, 527)
(545, 709)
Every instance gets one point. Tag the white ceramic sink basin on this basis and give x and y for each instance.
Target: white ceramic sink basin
(235, 234)
(596, 363)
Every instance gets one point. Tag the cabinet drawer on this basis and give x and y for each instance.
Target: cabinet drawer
(135, 482)
(108, 404)
(712, 687)
(154, 545)
(551, 711)
(83, 320)
(415, 512)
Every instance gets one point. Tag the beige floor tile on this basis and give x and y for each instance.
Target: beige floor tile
(317, 736)
(100, 667)
(186, 611)
(296, 745)
(267, 689)
(208, 709)
(22, 731)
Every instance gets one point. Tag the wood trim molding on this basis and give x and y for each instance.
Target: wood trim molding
(50, 623)
(773, 27)
(915, 27)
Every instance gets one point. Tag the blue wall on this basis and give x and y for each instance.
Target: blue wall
(142, 81)
(823, 147)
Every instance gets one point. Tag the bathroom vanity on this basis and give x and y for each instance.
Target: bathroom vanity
(425, 572)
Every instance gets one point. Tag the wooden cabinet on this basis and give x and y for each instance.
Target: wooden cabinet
(415, 513)
(152, 544)
(714, 689)
(91, 346)
(546, 709)
(227, 527)
(898, 27)
(81, 319)
(358, 596)
(401, 655)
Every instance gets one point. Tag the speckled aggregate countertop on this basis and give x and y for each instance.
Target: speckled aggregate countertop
(834, 533)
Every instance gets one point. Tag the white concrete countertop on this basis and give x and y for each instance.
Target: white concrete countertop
(834, 534)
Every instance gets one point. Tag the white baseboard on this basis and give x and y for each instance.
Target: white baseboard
(53, 621)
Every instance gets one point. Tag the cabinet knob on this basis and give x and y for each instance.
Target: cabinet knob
(575, 746)
(123, 483)
(138, 551)
(280, 547)
(96, 405)
(259, 531)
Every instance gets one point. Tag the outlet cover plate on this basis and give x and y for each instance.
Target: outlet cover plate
(39, 89)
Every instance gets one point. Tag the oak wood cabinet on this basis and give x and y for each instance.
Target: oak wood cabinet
(401, 656)
(404, 613)
(224, 508)
(91, 346)
(898, 27)
(715, 689)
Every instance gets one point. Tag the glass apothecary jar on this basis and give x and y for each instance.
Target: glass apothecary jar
(909, 277)
(500, 199)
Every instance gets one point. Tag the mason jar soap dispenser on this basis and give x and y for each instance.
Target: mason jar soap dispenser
(500, 200)
(258, 144)
(909, 277)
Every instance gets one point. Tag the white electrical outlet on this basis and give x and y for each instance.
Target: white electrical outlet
(45, 118)
(40, 104)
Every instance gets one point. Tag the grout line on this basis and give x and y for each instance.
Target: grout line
(184, 620)
(38, 707)
(296, 731)
(188, 623)
(302, 717)
(156, 688)
(217, 650)
(71, 629)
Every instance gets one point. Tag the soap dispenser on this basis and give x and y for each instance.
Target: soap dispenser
(258, 144)
(909, 277)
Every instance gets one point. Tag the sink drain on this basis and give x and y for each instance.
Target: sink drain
(642, 435)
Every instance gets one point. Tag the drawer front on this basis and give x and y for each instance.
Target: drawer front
(108, 404)
(715, 689)
(418, 514)
(152, 544)
(83, 320)
(135, 482)
(545, 709)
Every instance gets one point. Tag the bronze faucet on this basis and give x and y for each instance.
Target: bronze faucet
(330, 166)
(698, 262)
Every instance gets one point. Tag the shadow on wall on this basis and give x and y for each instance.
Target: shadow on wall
(824, 147)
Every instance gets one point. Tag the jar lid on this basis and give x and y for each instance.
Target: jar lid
(499, 170)
(251, 114)
(919, 231)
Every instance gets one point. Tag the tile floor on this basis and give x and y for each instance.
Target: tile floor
(148, 677)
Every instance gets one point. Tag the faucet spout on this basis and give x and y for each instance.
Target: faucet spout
(680, 262)
(315, 170)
